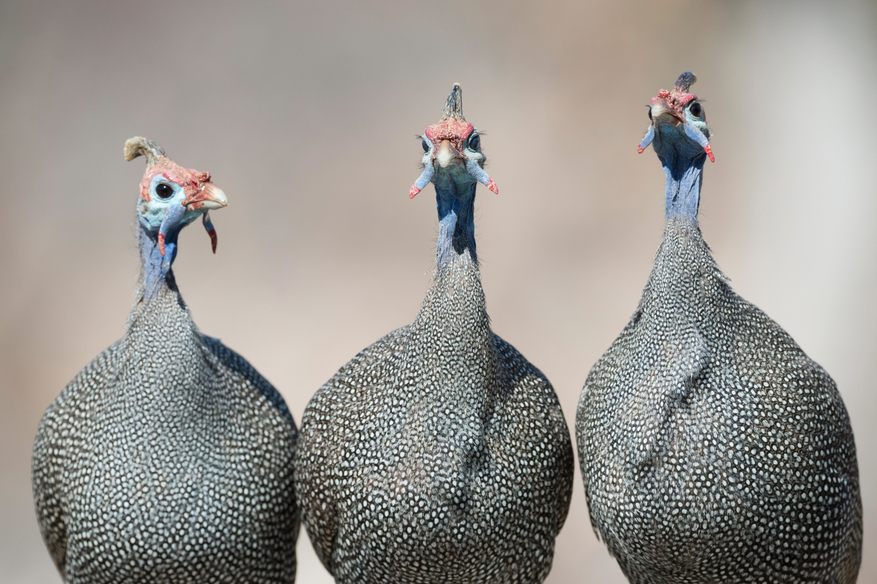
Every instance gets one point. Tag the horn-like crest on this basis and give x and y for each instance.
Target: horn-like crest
(140, 146)
(454, 105)
(685, 81)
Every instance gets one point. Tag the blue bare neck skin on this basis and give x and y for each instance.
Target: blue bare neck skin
(684, 174)
(455, 201)
(156, 273)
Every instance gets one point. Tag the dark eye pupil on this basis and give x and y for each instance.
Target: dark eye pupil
(475, 142)
(164, 191)
(696, 109)
(425, 145)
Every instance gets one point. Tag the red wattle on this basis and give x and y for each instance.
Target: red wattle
(161, 243)
(413, 192)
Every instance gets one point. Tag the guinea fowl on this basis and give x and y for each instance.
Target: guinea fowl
(168, 458)
(438, 454)
(712, 448)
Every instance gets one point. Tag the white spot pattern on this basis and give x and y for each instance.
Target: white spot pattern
(438, 454)
(167, 459)
(712, 448)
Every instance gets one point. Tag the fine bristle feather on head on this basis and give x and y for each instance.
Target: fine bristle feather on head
(685, 81)
(454, 105)
(140, 146)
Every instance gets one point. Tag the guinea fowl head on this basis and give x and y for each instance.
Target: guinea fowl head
(678, 128)
(171, 196)
(452, 157)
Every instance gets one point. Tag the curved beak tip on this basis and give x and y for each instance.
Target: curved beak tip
(445, 154)
(216, 198)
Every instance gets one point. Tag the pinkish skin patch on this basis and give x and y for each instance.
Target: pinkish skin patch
(454, 130)
(192, 180)
(676, 100)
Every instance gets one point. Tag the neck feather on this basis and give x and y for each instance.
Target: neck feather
(156, 274)
(684, 176)
(456, 208)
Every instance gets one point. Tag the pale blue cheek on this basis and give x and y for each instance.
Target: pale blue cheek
(155, 213)
(152, 215)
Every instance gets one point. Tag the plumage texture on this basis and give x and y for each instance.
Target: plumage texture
(438, 454)
(712, 448)
(167, 459)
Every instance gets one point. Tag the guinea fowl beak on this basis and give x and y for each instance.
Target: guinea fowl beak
(662, 113)
(209, 197)
(446, 154)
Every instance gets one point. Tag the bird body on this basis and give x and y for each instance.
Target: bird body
(438, 454)
(712, 448)
(168, 458)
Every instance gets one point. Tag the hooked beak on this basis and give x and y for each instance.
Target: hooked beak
(664, 114)
(209, 197)
(446, 154)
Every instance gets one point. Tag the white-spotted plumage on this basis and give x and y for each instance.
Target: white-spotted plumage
(168, 458)
(439, 454)
(712, 448)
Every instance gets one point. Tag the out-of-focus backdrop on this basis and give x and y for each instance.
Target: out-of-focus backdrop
(306, 114)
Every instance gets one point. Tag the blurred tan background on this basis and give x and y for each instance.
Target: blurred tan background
(306, 112)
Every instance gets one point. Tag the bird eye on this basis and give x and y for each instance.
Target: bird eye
(650, 112)
(425, 145)
(696, 109)
(164, 190)
(475, 142)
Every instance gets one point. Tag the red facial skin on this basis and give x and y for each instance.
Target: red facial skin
(456, 132)
(192, 181)
(675, 101)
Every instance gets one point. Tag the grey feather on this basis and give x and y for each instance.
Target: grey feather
(711, 447)
(438, 454)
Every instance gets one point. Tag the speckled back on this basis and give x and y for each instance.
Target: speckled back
(712, 448)
(438, 454)
(167, 459)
